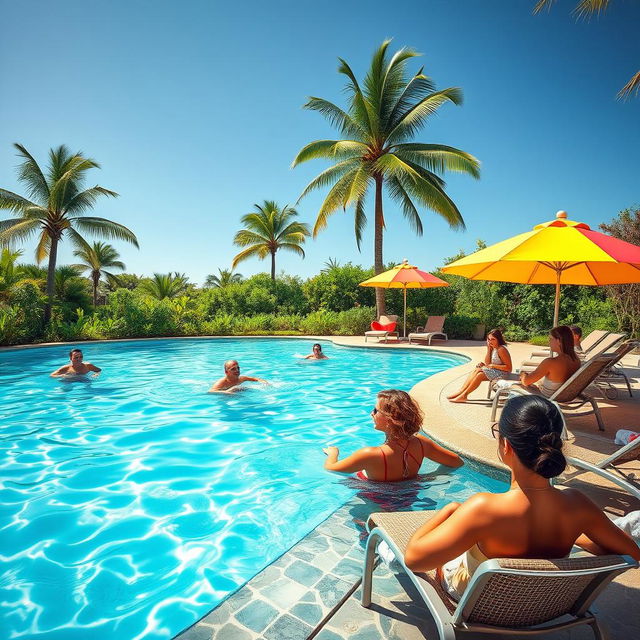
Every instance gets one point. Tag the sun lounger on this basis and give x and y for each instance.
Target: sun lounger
(506, 596)
(605, 344)
(379, 333)
(593, 339)
(605, 464)
(572, 394)
(615, 373)
(432, 328)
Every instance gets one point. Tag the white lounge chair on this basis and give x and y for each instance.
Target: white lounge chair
(605, 464)
(593, 339)
(431, 329)
(506, 597)
(374, 333)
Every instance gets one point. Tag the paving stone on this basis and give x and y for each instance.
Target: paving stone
(326, 560)
(240, 598)
(284, 593)
(303, 572)
(198, 632)
(307, 612)
(303, 555)
(257, 615)
(331, 590)
(325, 634)
(233, 632)
(287, 627)
(348, 569)
(266, 577)
(219, 616)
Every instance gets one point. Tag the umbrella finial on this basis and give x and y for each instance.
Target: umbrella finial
(561, 215)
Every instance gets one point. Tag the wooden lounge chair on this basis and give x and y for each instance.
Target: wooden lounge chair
(605, 464)
(378, 333)
(506, 597)
(604, 345)
(431, 329)
(572, 394)
(593, 339)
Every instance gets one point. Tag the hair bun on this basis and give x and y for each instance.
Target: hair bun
(551, 461)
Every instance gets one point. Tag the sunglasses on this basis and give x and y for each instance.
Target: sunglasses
(495, 430)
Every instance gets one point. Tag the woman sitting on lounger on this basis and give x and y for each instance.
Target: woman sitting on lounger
(496, 365)
(555, 371)
(532, 519)
(402, 453)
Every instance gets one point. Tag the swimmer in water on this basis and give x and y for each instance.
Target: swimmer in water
(77, 366)
(232, 379)
(317, 353)
(404, 449)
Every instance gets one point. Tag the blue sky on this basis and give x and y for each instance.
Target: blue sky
(193, 109)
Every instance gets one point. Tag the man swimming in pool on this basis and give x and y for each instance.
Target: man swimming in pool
(77, 367)
(232, 378)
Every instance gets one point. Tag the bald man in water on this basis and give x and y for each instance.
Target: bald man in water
(232, 378)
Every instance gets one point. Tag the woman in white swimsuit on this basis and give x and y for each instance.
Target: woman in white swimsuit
(532, 519)
(554, 372)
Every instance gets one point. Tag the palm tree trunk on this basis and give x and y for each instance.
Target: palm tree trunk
(273, 266)
(96, 279)
(51, 279)
(381, 308)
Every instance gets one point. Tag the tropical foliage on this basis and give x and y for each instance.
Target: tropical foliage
(55, 206)
(224, 278)
(165, 285)
(383, 115)
(96, 259)
(269, 230)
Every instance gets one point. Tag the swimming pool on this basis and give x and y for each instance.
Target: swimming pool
(131, 504)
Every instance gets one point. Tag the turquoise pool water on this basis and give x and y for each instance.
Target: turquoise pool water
(131, 504)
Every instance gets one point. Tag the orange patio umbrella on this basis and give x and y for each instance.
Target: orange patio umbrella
(404, 277)
(558, 252)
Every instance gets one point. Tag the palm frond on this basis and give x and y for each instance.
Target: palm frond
(43, 247)
(360, 222)
(86, 199)
(543, 4)
(585, 8)
(13, 202)
(31, 174)
(292, 246)
(416, 89)
(333, 201)
(360, 108)
(256, 250)
(103, 228)
(17, 230)
(399, 194)
(333, 149)
(336, 116)
(412, 120)
(438, 157)
(245, 237)
(357, 190)
(330, 175)
(632, 87)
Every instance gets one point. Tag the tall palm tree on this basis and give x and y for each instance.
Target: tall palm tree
(97, 259)
(224, 279)
(164, 285)
(268, 230)
(586, 8)
(381, 117)
(56, 205)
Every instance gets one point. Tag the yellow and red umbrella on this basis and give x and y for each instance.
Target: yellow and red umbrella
(404, 276)
(557, 252)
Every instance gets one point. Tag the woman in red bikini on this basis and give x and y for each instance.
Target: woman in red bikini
(403, 451)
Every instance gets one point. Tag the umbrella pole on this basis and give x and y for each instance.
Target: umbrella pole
(404, 317)
(556, 307)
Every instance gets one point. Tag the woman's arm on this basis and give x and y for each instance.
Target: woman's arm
(601, 536)
(439, 454)
(450, 534)
(540, 372)
(355, 462)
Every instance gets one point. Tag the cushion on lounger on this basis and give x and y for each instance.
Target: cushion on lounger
(376, 326)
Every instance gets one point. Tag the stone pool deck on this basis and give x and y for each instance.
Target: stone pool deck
(312, 591)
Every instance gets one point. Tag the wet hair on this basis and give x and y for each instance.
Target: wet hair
(563, 333)
(74, 351)
(497, 334)
(228, 363)
(576, 330)
(317, 344)
(403, 411)
(533, 427)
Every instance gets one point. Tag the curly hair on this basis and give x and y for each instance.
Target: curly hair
(406, 415)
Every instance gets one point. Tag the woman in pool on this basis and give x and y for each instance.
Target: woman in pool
(532, 519)
(402, 453)
(496, 365)
(555, 371)
(317, 353)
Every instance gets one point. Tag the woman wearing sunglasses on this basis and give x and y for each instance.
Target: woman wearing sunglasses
(533, 519)
(401, 455)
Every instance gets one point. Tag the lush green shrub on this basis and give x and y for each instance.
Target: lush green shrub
(336, 288)
(460, 327)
